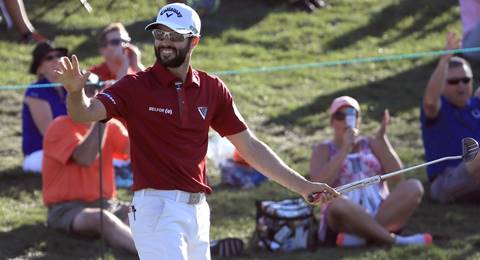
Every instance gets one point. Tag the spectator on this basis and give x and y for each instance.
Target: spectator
(449, 113)
(41, 105)
(370, 214)
(470, 14)
(71, 182)
(120, 57)
(16, 11)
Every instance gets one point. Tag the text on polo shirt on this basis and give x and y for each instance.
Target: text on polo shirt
(166, 111)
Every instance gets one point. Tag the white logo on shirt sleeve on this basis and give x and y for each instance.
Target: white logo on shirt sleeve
(109, 97)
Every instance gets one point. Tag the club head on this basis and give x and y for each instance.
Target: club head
(470, 149)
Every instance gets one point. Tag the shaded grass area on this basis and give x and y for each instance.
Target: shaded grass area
(286, 109)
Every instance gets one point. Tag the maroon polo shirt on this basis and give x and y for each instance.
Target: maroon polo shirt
(168, 124)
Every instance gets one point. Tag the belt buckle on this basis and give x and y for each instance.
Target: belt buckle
(194, 198)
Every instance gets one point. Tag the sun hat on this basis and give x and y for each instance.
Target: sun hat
(342, 102)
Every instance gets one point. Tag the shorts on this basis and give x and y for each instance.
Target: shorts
(455, 185)
(61, 215)
(33, 162)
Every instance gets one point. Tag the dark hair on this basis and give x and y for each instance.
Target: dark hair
(40, 51)
(456, 61)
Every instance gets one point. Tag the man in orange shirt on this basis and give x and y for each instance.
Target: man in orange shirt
(71, 182)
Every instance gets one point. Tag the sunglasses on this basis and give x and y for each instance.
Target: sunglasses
(161, 35)
(339, 116)
(51, 57)
(113, 42)
(455, 81)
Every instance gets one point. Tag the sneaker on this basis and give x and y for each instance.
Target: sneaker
(345, 239)
(417, 239)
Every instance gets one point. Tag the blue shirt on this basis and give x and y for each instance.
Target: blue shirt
(31, 137)
(442, 135)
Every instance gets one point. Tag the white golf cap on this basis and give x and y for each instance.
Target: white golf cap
(178, 17)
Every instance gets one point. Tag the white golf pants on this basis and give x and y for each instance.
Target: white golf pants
(168, 224)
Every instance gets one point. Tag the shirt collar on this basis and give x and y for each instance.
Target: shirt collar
(166, 77)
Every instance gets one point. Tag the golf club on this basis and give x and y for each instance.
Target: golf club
(469, 148)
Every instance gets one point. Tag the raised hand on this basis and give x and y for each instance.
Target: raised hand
(70, 75)
(382, 130)
(453, 42)
(135, 57)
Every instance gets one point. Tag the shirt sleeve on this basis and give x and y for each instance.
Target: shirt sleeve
(115, 98)
(118, 138)
(40, 93)
(61, 140)
(226, 119)
(429, 122)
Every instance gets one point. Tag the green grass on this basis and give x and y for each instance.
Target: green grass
(286, 109)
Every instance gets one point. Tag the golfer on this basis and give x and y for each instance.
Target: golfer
(168, 109)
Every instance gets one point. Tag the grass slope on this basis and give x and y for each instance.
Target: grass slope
(286, 109)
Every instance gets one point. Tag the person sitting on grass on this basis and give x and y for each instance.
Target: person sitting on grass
(70, 179)
(371, 214)
(120, 58)
(450, 113)
(41, 105)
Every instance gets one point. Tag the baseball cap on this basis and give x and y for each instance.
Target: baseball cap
(342, 102)
(178, 17)
(40, 51)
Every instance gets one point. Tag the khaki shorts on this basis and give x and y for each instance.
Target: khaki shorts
(455, 185)
(61, 215)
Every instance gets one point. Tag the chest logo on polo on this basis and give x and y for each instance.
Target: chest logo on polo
(203, 112)
(166, 111)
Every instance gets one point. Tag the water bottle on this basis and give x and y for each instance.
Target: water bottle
(351, 117)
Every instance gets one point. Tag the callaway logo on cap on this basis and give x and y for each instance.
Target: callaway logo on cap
(178, 17)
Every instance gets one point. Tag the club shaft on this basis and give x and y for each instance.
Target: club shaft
(376, 179)
(388, 175)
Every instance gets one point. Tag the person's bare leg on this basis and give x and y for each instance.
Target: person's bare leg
(115, 232)
(399, 206)
(16, 10)
(346, 216)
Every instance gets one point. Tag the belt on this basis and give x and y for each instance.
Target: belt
(175, 195)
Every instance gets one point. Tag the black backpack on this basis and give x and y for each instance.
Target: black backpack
(285, 225)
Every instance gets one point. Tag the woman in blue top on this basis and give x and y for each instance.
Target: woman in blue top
(41, 105)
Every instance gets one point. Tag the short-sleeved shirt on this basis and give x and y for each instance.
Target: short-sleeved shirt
(55, 97)
(104, 73)
(168, 123)
(470, 14)
(442, 135)
(62, 178)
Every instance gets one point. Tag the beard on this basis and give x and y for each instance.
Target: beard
(177, 60)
